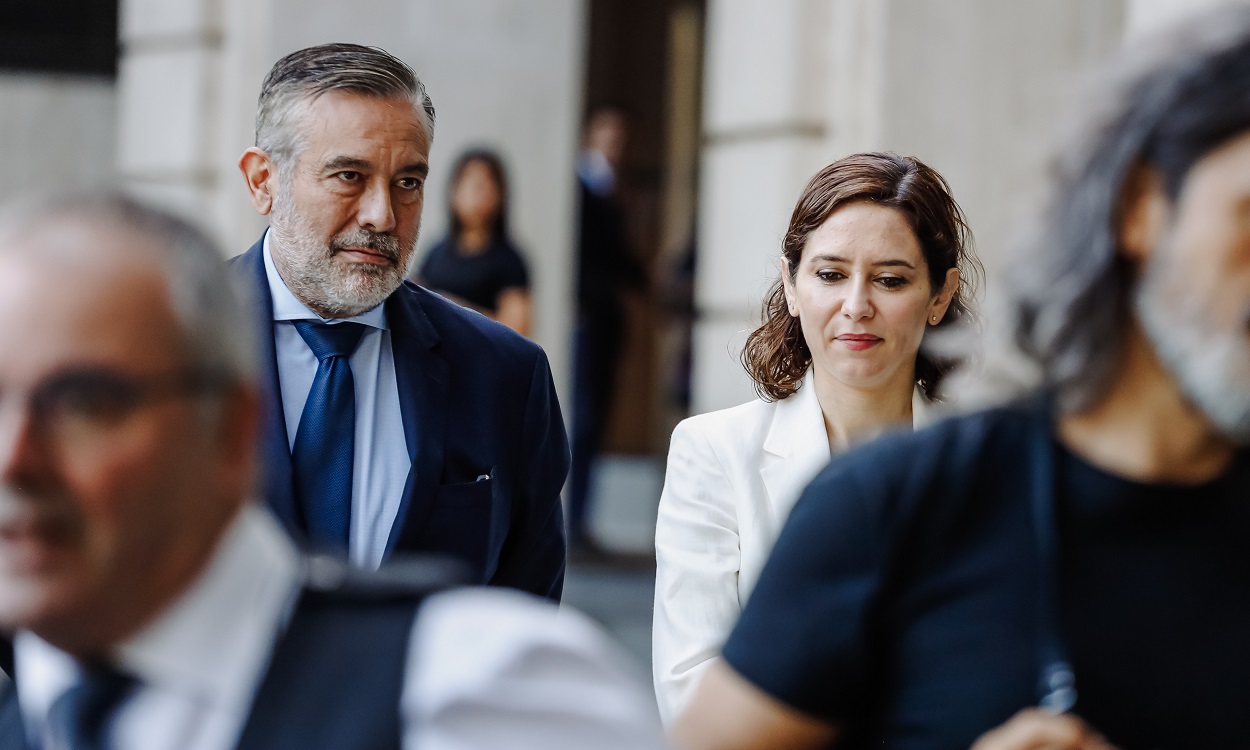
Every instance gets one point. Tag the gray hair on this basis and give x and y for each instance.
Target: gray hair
(1066, 293)
(306, 74)
(208, 303)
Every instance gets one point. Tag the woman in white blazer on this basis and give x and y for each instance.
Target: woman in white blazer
(876, 252)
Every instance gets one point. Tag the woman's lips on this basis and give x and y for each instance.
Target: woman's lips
(858, 342)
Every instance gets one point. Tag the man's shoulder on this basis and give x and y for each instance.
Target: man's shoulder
(463, 331)
(945, 458)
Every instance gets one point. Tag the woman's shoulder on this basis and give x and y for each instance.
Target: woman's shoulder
(728, 429)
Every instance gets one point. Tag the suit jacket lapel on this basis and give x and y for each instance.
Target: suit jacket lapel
(796, 448)
(421, 374)
(275, 449)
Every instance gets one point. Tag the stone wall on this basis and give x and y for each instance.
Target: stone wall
(55, 131)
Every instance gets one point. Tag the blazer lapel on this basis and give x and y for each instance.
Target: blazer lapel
(421, 374)
(275, 448)
(795, 449)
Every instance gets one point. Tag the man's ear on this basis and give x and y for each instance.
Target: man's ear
(261, 176)
(1143, 213)
(239, 428)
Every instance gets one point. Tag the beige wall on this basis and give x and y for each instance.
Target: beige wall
(55, 131)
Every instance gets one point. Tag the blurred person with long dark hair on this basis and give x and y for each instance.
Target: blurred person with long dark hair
(477, 264)
(1069, 570)
(877, 253)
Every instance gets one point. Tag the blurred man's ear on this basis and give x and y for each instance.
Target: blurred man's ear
(1144, 211)
(261, 175)
(239, 434)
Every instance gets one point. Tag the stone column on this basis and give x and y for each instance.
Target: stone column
(169, 105)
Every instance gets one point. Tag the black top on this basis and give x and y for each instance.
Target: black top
(477, 278)
(901, 599)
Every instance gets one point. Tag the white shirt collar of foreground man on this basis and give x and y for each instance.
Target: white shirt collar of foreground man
(485, 667)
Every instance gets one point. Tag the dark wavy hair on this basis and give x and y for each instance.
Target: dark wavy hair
(776, 356)
(494, 165)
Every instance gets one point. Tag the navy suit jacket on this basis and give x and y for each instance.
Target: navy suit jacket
(477, 400)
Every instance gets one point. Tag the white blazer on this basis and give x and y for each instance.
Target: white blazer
(733, 476)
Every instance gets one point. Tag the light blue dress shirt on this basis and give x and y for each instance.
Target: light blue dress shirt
(381, 463)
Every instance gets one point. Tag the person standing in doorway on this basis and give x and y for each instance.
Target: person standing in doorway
(606, 271)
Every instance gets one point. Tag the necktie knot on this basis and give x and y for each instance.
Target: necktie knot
(81, 714)
(330, 340)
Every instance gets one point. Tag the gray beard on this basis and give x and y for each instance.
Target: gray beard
(329, 289)
(1211, 366)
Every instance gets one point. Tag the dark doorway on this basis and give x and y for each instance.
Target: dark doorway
(59, 36)
(644, 57)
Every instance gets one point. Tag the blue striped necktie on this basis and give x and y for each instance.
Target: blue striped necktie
(326, 439)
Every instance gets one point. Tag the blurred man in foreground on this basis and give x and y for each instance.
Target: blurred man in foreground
(1083, 551)
(154, 606)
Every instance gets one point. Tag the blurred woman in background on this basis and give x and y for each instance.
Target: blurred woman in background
(876, 253)
(476, 264)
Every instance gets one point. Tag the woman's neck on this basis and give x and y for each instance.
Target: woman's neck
(473, 240)
(856, 415)
(1144, 428)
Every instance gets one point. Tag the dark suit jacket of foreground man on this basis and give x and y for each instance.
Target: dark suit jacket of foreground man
(483, 429)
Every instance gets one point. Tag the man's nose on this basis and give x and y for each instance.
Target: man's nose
(858, 301)
(375, 211)
(23, 450)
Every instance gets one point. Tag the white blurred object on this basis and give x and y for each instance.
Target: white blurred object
(1146, 16)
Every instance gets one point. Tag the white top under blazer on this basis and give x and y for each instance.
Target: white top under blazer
(733, 476)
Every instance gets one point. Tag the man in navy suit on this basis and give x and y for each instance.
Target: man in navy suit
(397, 421)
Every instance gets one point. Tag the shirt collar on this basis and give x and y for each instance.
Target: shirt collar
(286, 306)
(596, 172)
(209, 644)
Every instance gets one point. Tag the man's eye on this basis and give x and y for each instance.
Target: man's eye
(348, 176)
(410, 183)
(94, 402)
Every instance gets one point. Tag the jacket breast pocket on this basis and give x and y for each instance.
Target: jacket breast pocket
(462, 521)
(477, 492)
